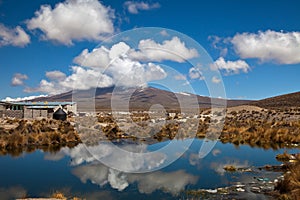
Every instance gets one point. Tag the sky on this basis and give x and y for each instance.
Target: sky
(51, 46)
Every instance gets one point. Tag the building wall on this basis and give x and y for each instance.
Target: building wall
(72, 108)
(12, 113)
(2, 107)
(32, 113)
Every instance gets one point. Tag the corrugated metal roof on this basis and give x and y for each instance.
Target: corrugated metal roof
(43, 103)
(41, 107)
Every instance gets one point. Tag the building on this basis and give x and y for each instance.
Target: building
(34, 109)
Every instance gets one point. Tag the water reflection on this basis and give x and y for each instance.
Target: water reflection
(147, 183)
(100, 174)
(84, 176)
(12, 192)
(219, 166)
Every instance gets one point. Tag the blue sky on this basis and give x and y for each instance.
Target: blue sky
(255, 44)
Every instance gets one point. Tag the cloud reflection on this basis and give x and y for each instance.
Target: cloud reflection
(100, 174)
(219, 166)
(171, 182)
(130, 158)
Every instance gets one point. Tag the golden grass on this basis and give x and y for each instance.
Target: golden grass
(58, 195)
(37, 133)
(289, 187)
(230, 168)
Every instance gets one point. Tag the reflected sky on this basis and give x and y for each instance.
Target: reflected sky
(40, 173)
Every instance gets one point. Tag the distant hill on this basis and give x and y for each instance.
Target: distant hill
(282, 101)
(139, 99)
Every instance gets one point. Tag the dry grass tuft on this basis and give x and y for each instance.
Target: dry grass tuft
(289, 187)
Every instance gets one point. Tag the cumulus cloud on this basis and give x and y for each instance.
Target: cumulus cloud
(10, 99)
(80, 79)
(215, 80)
(149, 50)
(231, 67)
(126, 72)
(195, 73)
(121, 72)
(180, 77)
(164, 33)
(55, 75)
(220, 44)
(118, 65)
(18, 79)
(134, 7)
(173, 50)
(15, 36)
(281, 47)
(97, 58)
(73, 20)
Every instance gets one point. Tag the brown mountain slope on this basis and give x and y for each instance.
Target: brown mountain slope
(140, 98)
(282, 101)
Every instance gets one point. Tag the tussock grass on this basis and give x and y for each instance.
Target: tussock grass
(29, 135)
(289, 187)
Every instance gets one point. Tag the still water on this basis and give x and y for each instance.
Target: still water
(77, 171)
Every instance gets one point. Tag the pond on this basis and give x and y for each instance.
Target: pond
(77, 171)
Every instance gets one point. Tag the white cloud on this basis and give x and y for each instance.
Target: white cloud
(9, 99)
(80, 79)
(174, 50)
(97, 58)
(15, 37)
(73, 20)
(84, 79)
(180, 77)
(195, 73)
(231, 67)
(45, 87)
(102, 56)
(164, 33)
(126, 72)
(281, 47)
(215, 80)
(149, 50)
(219, 43)
(135, 7)
(18, 79)
(118, 50)
(56, 75)
(102, 67)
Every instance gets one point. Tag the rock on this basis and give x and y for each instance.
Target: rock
(255, 189)
(212, 191)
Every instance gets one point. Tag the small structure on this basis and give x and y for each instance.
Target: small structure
(60, 114)
(34, 109)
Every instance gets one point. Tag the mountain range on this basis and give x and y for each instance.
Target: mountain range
(144, 98)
